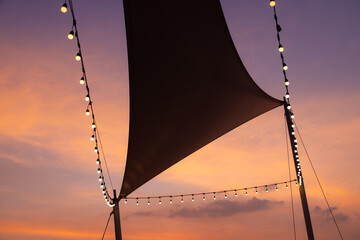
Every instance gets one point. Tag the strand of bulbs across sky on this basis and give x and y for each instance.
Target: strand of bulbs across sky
(287, 95)
(89, 109)
(94, 137)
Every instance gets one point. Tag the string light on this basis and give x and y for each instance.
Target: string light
(285, 67)
(82, 80)
(93, 125)
(272, 3)
(214, 196)
(256, 190)
(71, 35)
(148, 201)
(137, 201)
(267, 190)
(64, 8)
(225, 194)
(159, 200)
(277, 189)
(98, 161)
(170, 199)
(96, 149)
(204, 196)
(92, 137)
(236, 193)
(78, 57)
(182, 198)
(87, 97)
(281, 48)
(192, 198)
(87, 113)
(99, 170)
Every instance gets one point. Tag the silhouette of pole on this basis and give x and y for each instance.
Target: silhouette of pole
(116, 211)
(300, 180)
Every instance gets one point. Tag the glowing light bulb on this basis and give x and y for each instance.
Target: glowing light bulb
(287, 186)
(93, 125)
(125, 200)
(98, 161)
(99, 170)
(285, 67)
(204, 196)
(82, 80)
(287, 96)
(182, 198)
(87, 113)
(289, 107)
(100, 179)
(281, 48)
(71, 35)
(245, 193)
(293, 125)
(193, 198)
(95, 149)
(148, 201)
(225, 194)
(214, 196)
(102, 185)
(267, 190)
(78, 57)
(296, 183)
(92, 137)
(277, 189)
(272, 3)
(87, 98)
(293, 133)
(170, 199)
(256, 191)
(295, 140)
(292, 116)
(159, 200)
(64, 8)
(137, 201)
(103, 191)
(236, 193)
(287, 82)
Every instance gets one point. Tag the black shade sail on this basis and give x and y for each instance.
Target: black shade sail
(188, 85)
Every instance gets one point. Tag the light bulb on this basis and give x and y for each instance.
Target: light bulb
(245, 193)
(148, 201)
(93, 125)
(293, 125)
(92, 137)
(287, 96)
(182, 198)
(159, 200)
(225, 194)
(277, 189)
(267, 190)
(87, 113)
(71, 35)
(293, 133)
(99, 170)
(100, 179)
(272, 3)
(287, 186)
(285, 67)
(193, 198)
(87, 98)
(64, 8)
(78, 56)
(82, 80)
(102, 185)
(103, 191)
(137, 201)
(95, 149)
(170, 200)
(289, 107)
(292, 116)
(214, 196)
(281, 48)
(287, 82)
(256, 191)
(235, 193)
(98, 161)
(125, 200)
(204, 196)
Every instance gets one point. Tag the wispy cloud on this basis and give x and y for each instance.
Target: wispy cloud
(225, 208)
(324, 214)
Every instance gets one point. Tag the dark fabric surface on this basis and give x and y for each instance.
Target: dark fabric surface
(188, 85)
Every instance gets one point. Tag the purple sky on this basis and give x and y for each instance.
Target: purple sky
(49, 187)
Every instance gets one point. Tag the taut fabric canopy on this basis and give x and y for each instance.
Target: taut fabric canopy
(188, 85)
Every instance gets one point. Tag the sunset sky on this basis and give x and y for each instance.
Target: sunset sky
(49, 185)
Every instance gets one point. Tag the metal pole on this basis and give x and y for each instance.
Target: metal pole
(300, 179)
(116, 211)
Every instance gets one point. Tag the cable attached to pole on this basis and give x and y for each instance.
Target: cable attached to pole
(107, 225)
(318, 180)
(291, 192)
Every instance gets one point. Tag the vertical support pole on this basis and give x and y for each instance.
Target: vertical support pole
(116, 211)
(293, 143)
